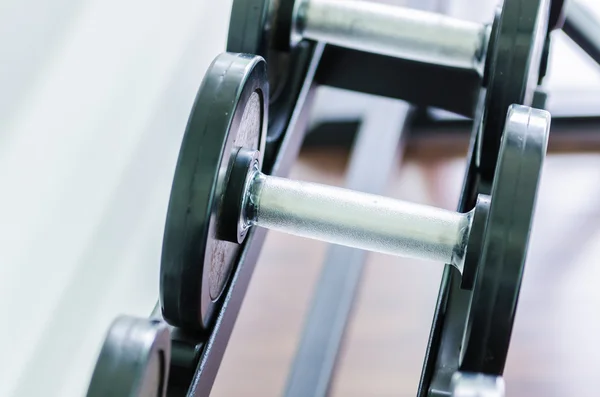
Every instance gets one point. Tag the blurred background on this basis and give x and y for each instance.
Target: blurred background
(94, 98)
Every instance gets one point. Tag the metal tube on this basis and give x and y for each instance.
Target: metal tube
(392, 30)
(355, 219)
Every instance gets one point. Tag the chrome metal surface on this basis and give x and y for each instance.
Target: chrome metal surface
(391, 30)
(359, 220)
(477, 385)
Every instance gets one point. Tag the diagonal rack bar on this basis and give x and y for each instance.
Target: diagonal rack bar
(378, 147)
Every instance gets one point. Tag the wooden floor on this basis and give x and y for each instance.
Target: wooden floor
(555, 349)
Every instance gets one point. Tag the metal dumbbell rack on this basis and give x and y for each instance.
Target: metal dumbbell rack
(204, 278)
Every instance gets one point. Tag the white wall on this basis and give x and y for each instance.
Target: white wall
(94, 98)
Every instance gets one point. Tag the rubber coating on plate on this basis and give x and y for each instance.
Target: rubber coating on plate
(504, 249)
(134, 360)
(516, 48)
(229, 112)
(247, 27)
(259, 27)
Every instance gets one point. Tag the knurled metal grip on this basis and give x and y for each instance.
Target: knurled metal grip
(343, 216)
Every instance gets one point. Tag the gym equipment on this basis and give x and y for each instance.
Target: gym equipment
(194, 259)
(243, 196)
(237, 196)
(436, 61)
(229, 182)
(377, 149)
(390, 30)
(134, 360)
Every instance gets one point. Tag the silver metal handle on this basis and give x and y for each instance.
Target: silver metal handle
(469, 384)
(392, 30)
(356, 219)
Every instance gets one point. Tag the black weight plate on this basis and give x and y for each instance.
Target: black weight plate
(259, 27)
(247, 27)
(134, 360)
(229, 112)
(252, 30)
(516, 49)
(504, 247)
(263, 27)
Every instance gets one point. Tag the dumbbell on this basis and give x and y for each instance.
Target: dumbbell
(510, 54)
(339, 216)
(134, 360)
(395, 31)
(385, 29)
(219, 195)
